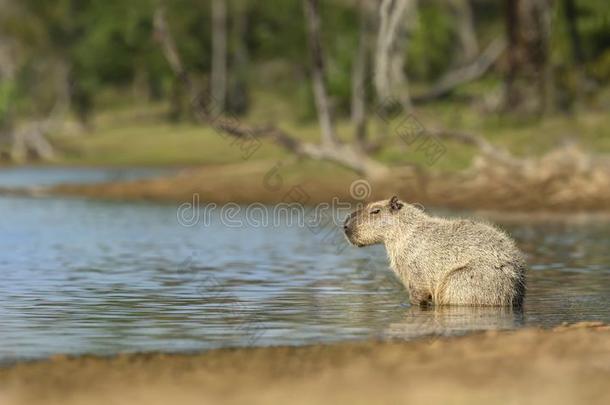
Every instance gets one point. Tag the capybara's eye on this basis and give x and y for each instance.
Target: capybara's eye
(376, 211)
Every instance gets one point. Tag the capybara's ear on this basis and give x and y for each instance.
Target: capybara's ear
(395, 205)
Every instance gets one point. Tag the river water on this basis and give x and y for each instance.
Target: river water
(85, 276)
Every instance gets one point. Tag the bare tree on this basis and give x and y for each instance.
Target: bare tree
(329, 138)
(359, 74)
(528, 82)
(575, 39)
(578, 58)
(330, 148)
(28, 140)
(466, 73)
(462, 10)
(218, 77)
(390, 77)
(237, 93)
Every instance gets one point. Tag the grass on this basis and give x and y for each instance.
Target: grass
(141, 136)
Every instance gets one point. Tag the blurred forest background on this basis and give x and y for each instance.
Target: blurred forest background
(130, 83)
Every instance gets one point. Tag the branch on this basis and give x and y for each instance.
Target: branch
(486, 148)
(164, 37)
(200, 106)
(462, 10)
(345, 155)
(466, 73)
(31, 141)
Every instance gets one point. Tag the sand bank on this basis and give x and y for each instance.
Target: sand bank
(569, 364)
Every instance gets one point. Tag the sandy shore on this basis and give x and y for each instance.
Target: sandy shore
(569, 364)
(262, 182)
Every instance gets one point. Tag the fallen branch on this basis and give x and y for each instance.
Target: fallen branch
(486, 148)
(465, 74)
(330, 149)
(31, 141)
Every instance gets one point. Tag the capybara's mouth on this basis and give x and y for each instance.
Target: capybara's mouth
(349, 236)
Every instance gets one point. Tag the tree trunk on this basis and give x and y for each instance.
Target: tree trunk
(238, 91)
(528, 82)
(27, 141)
(571, 15)
(547, 87)
(31, 143)
(218, 77)
(467, 35)
(390, 79)
(329, 138)
(7, 93)
(359, 75)
(172, 57)
(247, 136)
(464, 74)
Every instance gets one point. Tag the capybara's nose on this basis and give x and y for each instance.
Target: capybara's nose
(346, 224)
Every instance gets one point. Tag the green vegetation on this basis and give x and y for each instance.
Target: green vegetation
(100, 63)
(141, 136)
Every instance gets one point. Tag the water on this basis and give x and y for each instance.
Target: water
(36, 176)
(82, 276)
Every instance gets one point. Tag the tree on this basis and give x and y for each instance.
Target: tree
(390, 77)
(360, 69)
(237, 93)
(330, 148)
(218, 78)
(528, 81)
(27, 138)
(469, 44)
(348, 154)
(329, 137)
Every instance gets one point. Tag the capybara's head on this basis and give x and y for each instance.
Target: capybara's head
(373, 222)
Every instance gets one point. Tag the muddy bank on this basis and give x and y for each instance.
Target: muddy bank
(487, 188)
(570, 364)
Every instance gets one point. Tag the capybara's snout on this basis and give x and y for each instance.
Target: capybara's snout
(348, 224)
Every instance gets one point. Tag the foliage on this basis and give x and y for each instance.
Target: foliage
(110, 44)
(432, 43)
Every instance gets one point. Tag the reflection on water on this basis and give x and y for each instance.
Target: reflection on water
(442, 321)
(100, 277)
